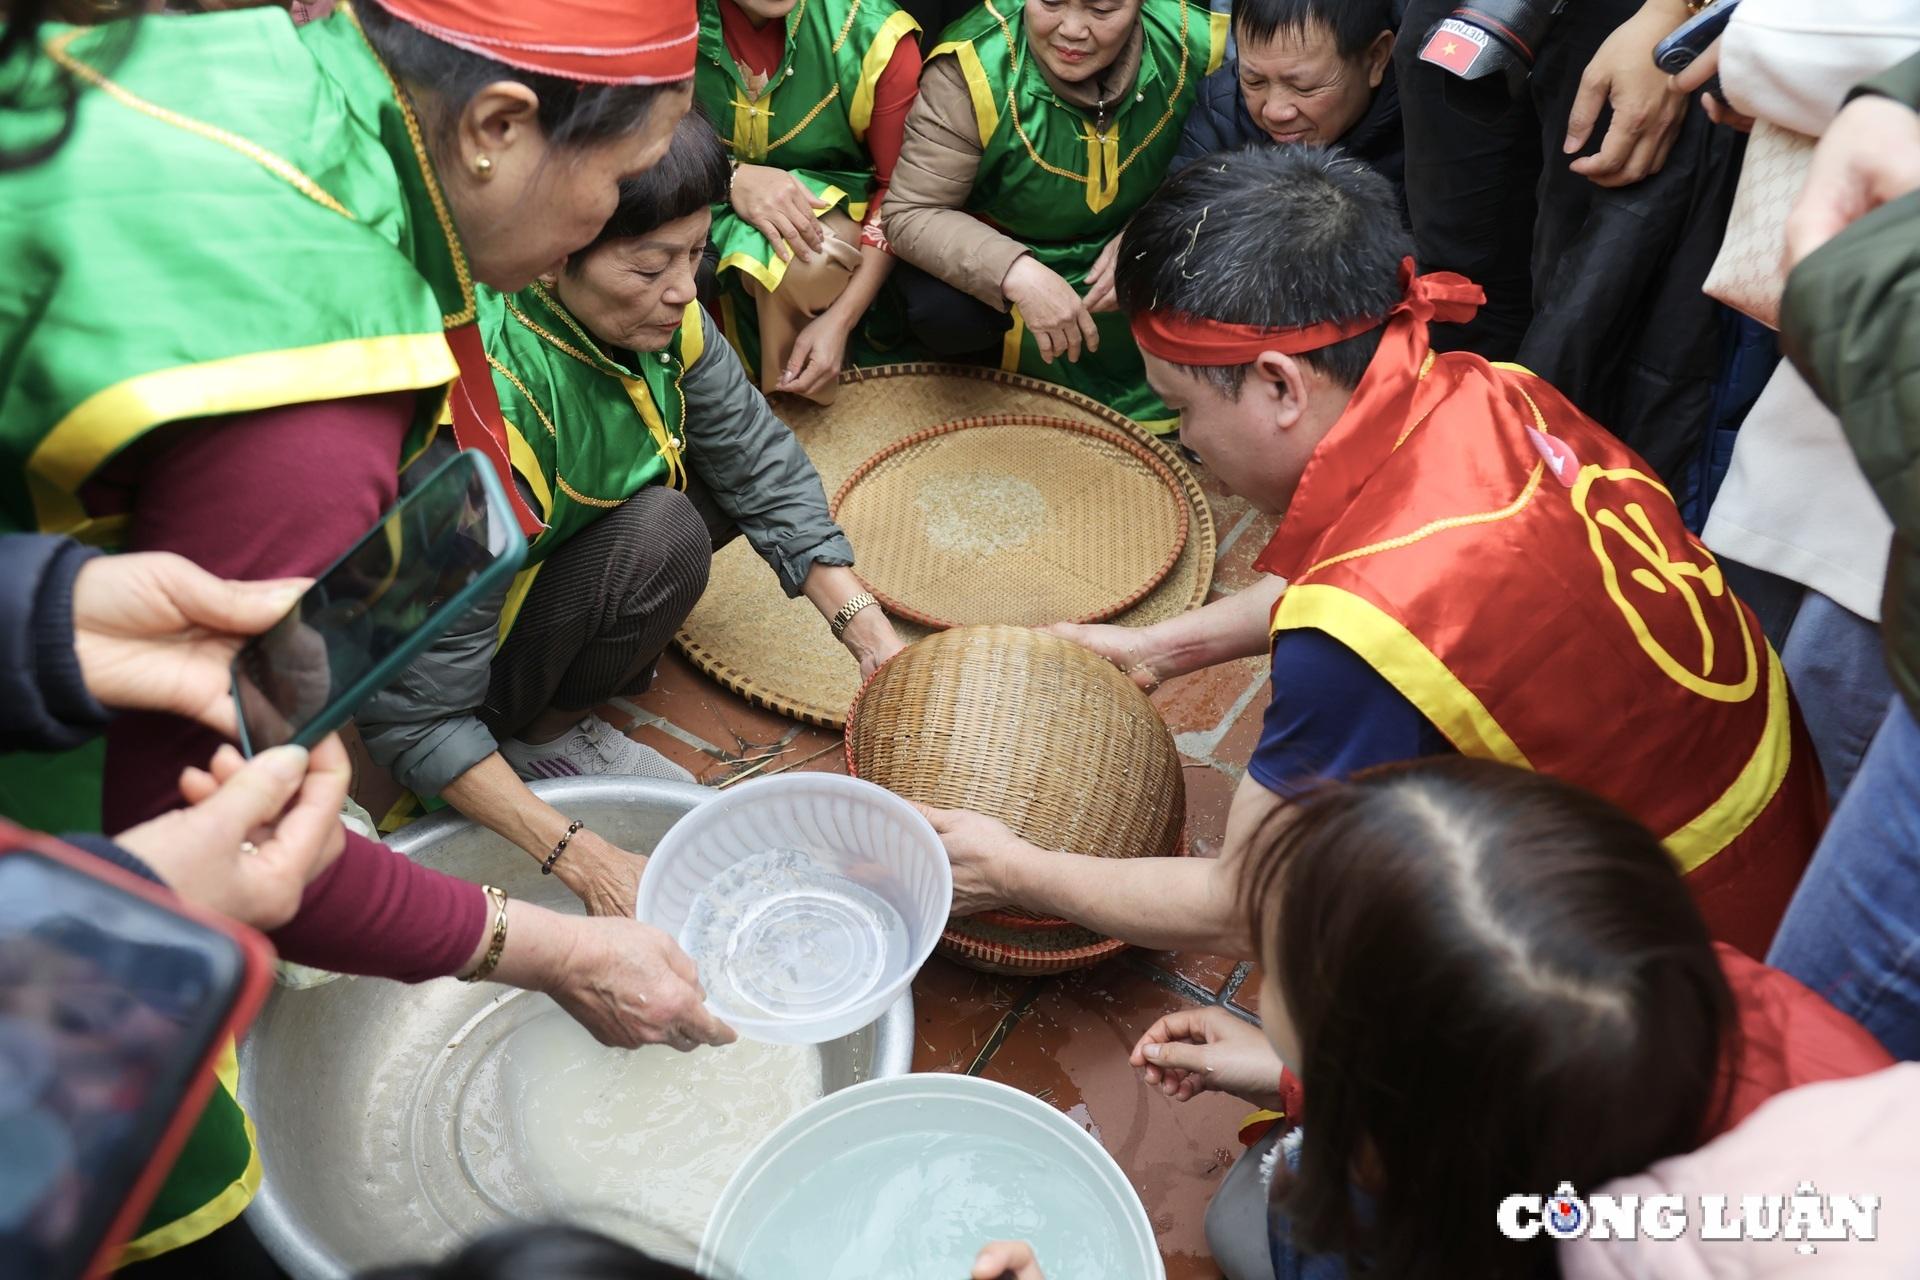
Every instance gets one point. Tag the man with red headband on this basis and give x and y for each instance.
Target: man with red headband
(1464, 563)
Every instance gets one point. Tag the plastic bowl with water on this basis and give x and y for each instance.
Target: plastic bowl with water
(905, 1179)
(805, 961)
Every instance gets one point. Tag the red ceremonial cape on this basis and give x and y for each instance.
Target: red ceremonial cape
(1522, 578)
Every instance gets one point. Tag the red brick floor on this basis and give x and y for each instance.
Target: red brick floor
(1065, 1039)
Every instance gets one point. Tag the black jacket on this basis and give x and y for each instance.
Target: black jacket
(1220, 122)
(44, 704)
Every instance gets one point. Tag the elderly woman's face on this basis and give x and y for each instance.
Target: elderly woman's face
(532, 204)
(632, 293)
(1078, 39)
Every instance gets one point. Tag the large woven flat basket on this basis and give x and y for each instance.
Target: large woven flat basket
(1035, 731)
(1013, 518)
(776, 652)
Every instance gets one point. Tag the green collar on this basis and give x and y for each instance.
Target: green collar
(340, 46)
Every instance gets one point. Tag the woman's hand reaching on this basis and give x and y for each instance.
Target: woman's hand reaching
(1199, 1051)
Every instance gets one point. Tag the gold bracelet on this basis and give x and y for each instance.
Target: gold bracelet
(497, 898)
(848, 611)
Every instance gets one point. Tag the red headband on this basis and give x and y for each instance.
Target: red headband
(590, 41)
(1193, 340)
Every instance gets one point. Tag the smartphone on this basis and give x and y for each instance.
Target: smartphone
(1691, 38)
(443, 547)
(115, 1003)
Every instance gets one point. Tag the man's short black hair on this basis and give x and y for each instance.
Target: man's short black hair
(693, 175)
(1275, 237)
(1355, 23)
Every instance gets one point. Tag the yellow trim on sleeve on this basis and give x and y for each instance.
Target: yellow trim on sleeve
(113, 417)
(986, 115)
(895, 29)
(771, 272)
(1218, 25)
(408, 806)
(693, 335)
(1399, 656)
(509, 612)
(101, 531)
(223, 1208)
(641, 397)
(525, 461)
(1750, 793)
(1010, 345)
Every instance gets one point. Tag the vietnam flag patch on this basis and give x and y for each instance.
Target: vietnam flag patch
(1455, 46)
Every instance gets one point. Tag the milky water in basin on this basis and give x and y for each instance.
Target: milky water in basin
(637, 1144)
(779, 936)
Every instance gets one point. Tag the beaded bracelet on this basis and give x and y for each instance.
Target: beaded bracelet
(546, 868)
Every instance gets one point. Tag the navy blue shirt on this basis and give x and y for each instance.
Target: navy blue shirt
(1332, 715)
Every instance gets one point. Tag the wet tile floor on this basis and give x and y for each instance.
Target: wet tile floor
(1066, 1038)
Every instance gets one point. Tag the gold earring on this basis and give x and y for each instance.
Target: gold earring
(483, 165)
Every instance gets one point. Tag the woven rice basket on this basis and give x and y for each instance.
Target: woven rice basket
(1035, 731)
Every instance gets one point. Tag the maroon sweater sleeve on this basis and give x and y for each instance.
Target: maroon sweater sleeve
(377, 912)
(281, 493)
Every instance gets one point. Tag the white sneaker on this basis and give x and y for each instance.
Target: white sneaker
(589, 749)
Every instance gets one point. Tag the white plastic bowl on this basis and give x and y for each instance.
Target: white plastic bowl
(849, 827)
(905, 1179)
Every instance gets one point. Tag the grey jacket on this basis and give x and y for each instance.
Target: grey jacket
(425, 727)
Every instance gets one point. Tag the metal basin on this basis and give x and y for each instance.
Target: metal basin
(360, 1088)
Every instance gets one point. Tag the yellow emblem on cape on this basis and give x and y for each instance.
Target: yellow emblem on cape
(1636, 564)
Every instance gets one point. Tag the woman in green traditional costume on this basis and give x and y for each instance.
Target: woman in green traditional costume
(812, 96)
(1038, 131)
(239, 288)
(645, 447)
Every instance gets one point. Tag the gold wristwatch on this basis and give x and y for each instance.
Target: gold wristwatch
(842, 619)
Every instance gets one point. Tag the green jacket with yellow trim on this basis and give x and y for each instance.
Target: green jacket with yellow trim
(585, 432)
(1065, 184)
(744, 468)
(240, 221)
(810, 119)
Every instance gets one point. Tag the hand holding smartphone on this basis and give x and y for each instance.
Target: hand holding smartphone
(1692, 38)
(441, 548)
